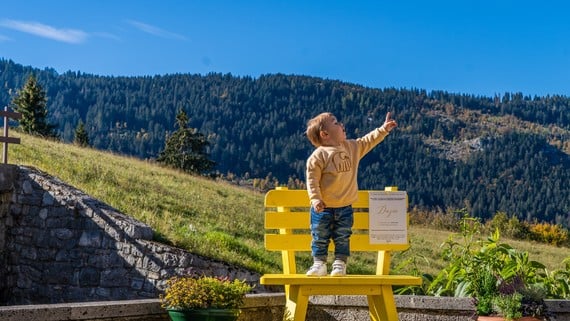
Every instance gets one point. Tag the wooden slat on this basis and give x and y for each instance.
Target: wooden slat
(302, 242)
(279, 242)
(295, 220)
(301, 220)
(355, 289)
(10, 114)
(287, 198)
(341, 281)
(361, 221)
(11, 140)
(300, 198)
(362, 201)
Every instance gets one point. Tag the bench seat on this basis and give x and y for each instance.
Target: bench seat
(351, 280)
(287, 218)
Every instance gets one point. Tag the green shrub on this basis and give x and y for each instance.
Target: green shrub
(494, 273)
(509, 226)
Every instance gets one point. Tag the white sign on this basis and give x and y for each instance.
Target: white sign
(387, 212)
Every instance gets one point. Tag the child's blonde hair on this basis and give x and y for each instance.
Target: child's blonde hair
(315, 126)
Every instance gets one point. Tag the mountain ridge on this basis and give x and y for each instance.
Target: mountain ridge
(449, 151)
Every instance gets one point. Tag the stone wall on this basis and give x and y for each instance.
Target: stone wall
(58, 244)
(7, 178)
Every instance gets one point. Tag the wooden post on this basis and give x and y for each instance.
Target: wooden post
(5, 139)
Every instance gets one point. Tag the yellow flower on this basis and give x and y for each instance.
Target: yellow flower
(204, 292)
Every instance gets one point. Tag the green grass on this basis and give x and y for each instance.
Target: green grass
(211, 218)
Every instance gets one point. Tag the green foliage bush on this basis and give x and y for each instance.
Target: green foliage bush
(509, 226)
(510, 305)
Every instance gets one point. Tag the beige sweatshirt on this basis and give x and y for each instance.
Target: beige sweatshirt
(332, 170)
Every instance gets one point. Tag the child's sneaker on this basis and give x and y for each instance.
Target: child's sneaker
(318, 269)
(338, 268)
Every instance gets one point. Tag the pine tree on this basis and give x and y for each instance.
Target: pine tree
(31, 102)
(186, 148)
(81, 137)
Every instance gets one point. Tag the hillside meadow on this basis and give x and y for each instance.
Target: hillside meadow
(209, 217)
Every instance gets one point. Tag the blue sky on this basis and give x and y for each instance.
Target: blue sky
(482, 47)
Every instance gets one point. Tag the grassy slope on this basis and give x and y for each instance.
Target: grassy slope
(211, 218)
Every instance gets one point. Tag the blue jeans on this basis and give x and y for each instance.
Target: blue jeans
(335, 224)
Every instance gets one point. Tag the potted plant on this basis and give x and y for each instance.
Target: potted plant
(204, 298)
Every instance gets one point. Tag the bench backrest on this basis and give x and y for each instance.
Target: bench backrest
(287, 221)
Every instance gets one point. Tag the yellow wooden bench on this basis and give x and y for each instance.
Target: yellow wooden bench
(287, 220)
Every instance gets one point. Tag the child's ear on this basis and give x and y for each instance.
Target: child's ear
(323, 134)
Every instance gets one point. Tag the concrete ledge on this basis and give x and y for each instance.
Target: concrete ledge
(559, 310)
(410, 308)
(266, 307)
(256, 307)
(113, 310)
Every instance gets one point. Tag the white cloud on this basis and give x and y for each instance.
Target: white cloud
(45, 31)
(155, 31)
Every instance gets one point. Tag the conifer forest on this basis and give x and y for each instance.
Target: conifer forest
(507, 153)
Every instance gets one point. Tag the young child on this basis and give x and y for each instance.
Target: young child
(332, 186)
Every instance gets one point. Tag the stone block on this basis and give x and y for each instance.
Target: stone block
(90, 238)
(88, 277)
(113, 278)
(8, 176)
(58, 273)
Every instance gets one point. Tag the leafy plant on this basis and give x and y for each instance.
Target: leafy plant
(517, 299)
(558, 282)
(188, 292)
(484, 289)
(502, 279)
(509, 305)
(533, 296)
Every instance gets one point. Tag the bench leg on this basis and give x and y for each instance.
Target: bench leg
(296, 305)
(382, 307)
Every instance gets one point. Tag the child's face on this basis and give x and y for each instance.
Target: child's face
(333, 132)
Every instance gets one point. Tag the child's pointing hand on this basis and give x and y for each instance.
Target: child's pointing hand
(389, 123)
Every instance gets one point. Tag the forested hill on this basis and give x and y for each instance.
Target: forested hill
(505, 153)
